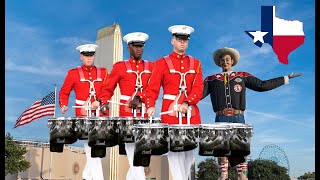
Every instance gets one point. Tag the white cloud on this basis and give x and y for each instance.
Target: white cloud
(39, 69)
(271, 139)
(267, 117)
(72, 41)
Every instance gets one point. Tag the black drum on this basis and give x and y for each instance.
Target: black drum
(214, 139)
(241, 139)
(151, 139)
(125, 126)
(81, 127)
(183, 137)
(102, 132)
(61, 132)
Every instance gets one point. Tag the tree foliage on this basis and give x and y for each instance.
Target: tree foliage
(266, 170)
(307, 175)
(257, 169)
(14, 160)
(208, 169)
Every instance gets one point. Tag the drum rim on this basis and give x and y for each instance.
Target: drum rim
(153, 125)
(133, 118)
(219, 125)
(59, 118)
(77, 118)
(96, 118)
(240, 125)
(189, 126)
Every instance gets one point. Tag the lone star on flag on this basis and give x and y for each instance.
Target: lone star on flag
(284, 36)
(258, 36)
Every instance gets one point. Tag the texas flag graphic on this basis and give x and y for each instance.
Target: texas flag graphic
(283, 35)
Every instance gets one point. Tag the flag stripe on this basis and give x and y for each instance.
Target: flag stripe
(35, 111)
(40, 108)
(47, 113)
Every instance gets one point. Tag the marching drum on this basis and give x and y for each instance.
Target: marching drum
(241, 139)
(125, 125)
(61, 132)
(102, 132)
(151, 139)
(183, 137)
(81, 127)
(214, 139)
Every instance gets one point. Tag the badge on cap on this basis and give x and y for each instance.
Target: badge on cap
(138, 38)
(181, 30)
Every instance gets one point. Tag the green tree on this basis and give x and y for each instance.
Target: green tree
(208, 170)
(14, 160)
(308, 175)
(266, 170)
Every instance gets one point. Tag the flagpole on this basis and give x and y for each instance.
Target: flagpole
(55, 100)
(54, 115)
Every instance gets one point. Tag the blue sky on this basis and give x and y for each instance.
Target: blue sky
(41, 37)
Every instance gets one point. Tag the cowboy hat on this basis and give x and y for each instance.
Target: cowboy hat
(216, 55)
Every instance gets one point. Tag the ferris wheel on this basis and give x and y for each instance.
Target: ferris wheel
(276, 154)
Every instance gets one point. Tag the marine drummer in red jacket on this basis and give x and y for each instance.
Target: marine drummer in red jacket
(180, 75)
(132, 76)
(86, 82)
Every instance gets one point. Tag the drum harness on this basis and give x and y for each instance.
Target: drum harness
(138, 85)
(182, 86)
(92, 91)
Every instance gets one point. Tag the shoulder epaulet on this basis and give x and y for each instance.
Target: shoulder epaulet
(213, 77)
(119, 62)
(73, 69)
(103, 68)
(242, 74)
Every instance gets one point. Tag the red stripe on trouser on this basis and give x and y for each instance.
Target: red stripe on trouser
(240, 167)
(224, 168)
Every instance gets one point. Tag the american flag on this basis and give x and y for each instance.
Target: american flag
(40, 108)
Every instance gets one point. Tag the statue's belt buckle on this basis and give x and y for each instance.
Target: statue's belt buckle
(228, 111)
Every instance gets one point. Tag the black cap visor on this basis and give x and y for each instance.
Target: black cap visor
(182, 36)
(88, 53)
(137, 43)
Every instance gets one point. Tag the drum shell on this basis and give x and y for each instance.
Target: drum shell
(214, 140)
(62, 130)
(151, 139)
(102, 132)
(241, 139)
(81, 127)
(125, 127)
(183, 137)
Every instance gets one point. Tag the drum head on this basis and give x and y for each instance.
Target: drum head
(125, 118)
(241, 125)
(103, 118)
(59, 118)
(215, 126)
(183, 126)
(155, 125)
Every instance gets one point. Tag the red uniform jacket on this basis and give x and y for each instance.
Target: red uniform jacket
(126, 81)
(81, 89)
(161, 76)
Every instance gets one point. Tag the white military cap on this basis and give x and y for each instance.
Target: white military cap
(181, 30)
(136, 38)
(87, 48)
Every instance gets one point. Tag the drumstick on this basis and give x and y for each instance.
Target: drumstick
(118, 103)
(81, 106)
(167, 112)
